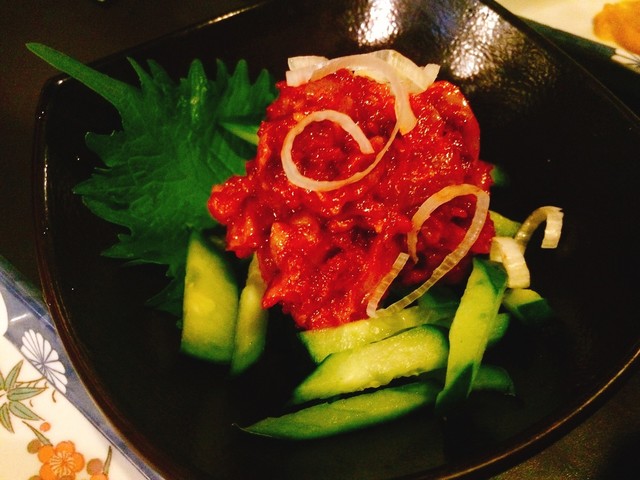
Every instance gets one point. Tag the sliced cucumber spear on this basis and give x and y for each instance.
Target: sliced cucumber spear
(495, 379)
(433, 309)
(210, 307)
(414, 351)
(251, 327)
(348, 414)
(322, 342)
(471, 329)
(527, 305)
(499, 328)
(368, 409)
(220, 323)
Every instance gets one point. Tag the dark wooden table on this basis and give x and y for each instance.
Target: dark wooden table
(605, 446)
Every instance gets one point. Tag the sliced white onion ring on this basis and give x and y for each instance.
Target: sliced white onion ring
(510, 253)
(431, 71)
(302, 67)
(553, 217)
(382, 287)
(430, 205)
(346, 122)
(404, 114)
(417, 79)
(299, 76)
(453, 258)
(304, 61)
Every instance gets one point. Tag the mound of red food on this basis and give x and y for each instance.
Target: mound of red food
(322, 253)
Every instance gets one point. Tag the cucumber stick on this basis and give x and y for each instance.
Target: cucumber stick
(498, 328)
(251, 326)
(527, 305)
(220, 323)
(210, 306)
(471, 329)
(367, 409)
(348, 414)
(434, 308)
(493, 378)
(322, 342)
(414, 351)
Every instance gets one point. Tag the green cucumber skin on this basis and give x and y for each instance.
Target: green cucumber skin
(322, 342)
(499, 176)
(499, 328)
(493, 378)
(505, 227)
(210, 303)
(527, 305)
(441, 299)
(414, 351)
(251, 326)
(470, 330)
(348, 414)
(369, 409)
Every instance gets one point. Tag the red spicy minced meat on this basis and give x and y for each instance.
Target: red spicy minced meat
(323, 253)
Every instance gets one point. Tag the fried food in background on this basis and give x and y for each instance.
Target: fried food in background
(619, 23)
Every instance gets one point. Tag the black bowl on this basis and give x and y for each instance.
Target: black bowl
(562, 138)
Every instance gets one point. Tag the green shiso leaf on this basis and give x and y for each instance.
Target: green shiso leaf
(175, 144)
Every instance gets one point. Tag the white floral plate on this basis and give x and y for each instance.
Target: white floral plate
(50, 428)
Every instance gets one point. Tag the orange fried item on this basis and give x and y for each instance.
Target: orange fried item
(619, 22)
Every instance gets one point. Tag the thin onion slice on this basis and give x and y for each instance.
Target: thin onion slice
(453, 258)
(396, 268)
(304, 61)
(430, 205)
(299, 76)
(405, 117)
(431, 71)
(553, 228)
(417, 79)
(510, 253)
(297, 178)
(302, 67)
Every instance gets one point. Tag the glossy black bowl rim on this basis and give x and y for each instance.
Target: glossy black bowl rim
(519, 448)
